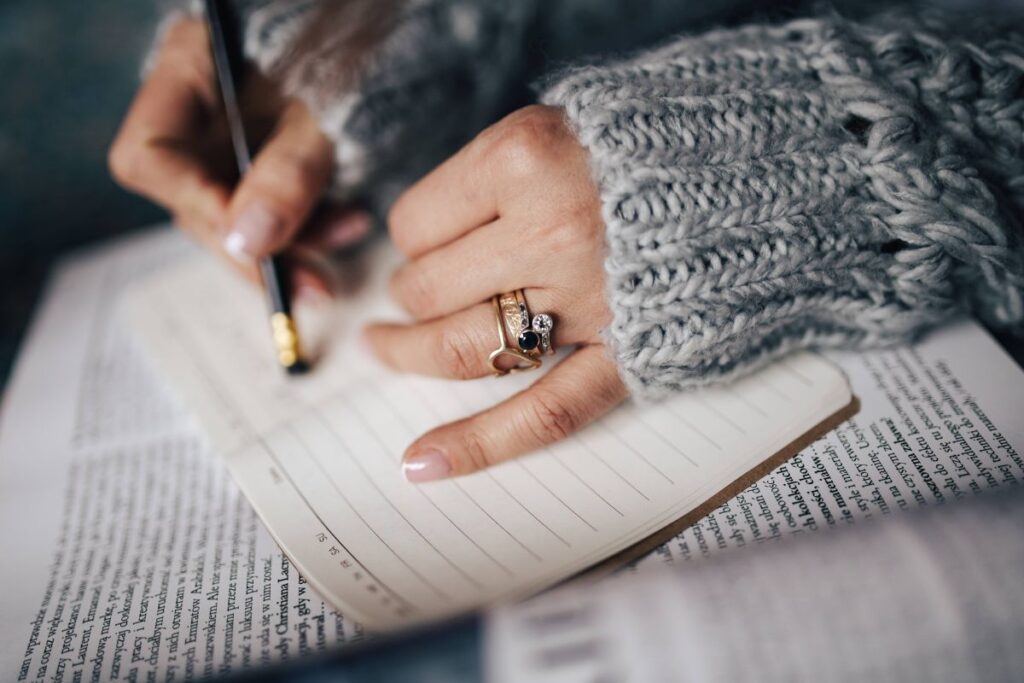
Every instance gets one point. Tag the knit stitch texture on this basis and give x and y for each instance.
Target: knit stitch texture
(817, 184)
(449, 69)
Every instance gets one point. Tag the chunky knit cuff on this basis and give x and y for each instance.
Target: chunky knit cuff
(771, 188)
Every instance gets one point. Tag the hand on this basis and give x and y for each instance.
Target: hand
(173, 148)
(516, 208)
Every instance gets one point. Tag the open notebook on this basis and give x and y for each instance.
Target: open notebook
(318, 456)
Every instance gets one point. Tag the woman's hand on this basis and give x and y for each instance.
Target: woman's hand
(174, 148)
(514, 209)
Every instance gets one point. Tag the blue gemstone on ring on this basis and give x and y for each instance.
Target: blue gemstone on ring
(528, 340)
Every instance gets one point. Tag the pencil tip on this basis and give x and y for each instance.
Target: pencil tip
(299, 367)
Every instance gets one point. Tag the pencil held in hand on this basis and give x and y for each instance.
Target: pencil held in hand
(228, 61)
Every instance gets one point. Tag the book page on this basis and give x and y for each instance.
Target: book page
(129, 551)
(935, 596)
(940, 421)
(319, 456)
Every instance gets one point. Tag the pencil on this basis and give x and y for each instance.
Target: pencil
(226, 48)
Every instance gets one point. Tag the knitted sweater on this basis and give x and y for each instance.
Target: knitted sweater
(821, 183)
(448, 70)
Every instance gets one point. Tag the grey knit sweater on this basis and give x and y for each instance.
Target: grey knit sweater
(820, 183)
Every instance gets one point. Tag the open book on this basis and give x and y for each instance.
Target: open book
(318, 456)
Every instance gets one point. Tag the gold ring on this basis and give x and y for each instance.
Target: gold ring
(524, 361)
(532, 334)
(513, 311)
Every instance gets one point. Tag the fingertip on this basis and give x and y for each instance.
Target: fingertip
(425, 463)
(254, 232)
(235, 246)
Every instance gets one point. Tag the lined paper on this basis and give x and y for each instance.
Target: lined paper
(319, 457)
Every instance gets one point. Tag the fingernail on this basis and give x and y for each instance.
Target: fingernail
(253, 232)
(426, 465)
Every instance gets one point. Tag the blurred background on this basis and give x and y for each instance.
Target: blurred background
(70, 69)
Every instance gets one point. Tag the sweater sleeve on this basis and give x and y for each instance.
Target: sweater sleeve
(822, 183)
(446, 70)
(449, 69)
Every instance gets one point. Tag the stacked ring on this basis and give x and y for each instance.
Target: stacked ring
(532, 335)
(523, 360)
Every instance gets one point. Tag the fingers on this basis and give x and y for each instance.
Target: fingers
(473, 268)
(281, 188)
(516, 161)
(458, 346)
(335, 227)
(312, 277)
(455, 347)
(451, 200)
(156, 152)
(582, 388)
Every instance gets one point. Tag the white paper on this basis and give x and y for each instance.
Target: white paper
(954, 399)
(866, 605)
(319, 456)
(130, 553)
(935, 596)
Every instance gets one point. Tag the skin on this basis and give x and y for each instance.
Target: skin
(521, 187)
(173, 148)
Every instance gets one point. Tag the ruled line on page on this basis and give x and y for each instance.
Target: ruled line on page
(438, 591)
(787, 364)
(401, 420)
(511, 495)
(557, 497)
(391, 503)
(600, 458)
(429, 407)
(491, 390)
(661, 437)
(711, 407)
(205, 369)
(528, 510)
(576, 475)
(744, 400)
(273, 456)
(669, 407)
(581, 480)
(608, 430)
(762, 379)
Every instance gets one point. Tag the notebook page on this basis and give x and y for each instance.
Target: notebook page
(319, 457)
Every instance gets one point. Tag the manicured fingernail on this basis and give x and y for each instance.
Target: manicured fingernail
(253, 233)
(426, 465)
(349, 230)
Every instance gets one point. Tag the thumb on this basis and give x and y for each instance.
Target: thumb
(582, 388)
(282, 187)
